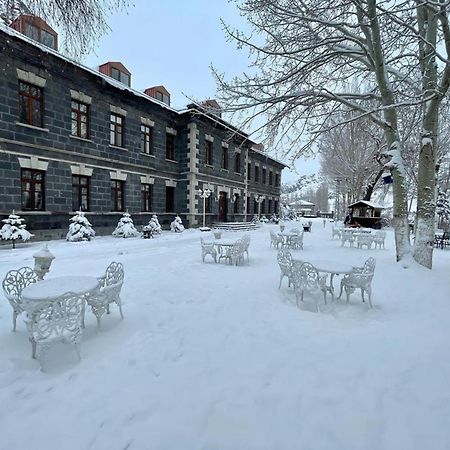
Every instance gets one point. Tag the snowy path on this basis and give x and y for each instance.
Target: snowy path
(212, 356)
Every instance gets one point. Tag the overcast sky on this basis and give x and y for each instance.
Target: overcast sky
(173, 43)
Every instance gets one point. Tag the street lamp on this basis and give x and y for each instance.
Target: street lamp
(42, 261)
(204, 194)
(259, 199)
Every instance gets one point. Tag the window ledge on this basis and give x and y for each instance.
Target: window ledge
(237, 173)
(32, 127)
(78, 138)
(150, 155)
(171, 160)
(224, 170)
(24, 213)
(209, 165)
(118, 148)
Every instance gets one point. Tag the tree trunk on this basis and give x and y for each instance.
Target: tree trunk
(371, 186)
(426, 185)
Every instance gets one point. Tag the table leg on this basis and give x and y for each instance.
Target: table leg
(332, 286)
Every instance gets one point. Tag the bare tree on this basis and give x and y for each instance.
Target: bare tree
(351, 153)
(82, 22)
(304, 53)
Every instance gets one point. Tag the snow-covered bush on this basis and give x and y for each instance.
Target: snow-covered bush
(80, 229)
(264, 219)
(125, 228)
(274, 219)
(154, 225)
(177, 225)
(14, 229)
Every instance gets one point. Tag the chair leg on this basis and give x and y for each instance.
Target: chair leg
(281, 279)
(14, 320)
(33, 348)
(369, 295)
(362, 295)
(340, 292)
(119, 304)
(348, 295)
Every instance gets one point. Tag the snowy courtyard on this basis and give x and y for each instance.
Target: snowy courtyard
(213, 356)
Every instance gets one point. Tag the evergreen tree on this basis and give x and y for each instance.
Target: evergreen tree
(125, 228)
(14, 229)
(80, 229)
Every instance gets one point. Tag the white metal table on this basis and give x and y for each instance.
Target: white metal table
(331, 267)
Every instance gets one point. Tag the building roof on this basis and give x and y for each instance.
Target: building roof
(370, 204)
(117, 84)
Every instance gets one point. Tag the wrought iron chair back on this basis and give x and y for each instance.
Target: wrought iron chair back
(208, 249)
(13, 284)
(306, 277)
(108, 291)
(284, 259)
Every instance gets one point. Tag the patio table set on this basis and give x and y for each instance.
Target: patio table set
(313, 276)
(363, 237)
(292, 239)
(232, 251)
(55, 307)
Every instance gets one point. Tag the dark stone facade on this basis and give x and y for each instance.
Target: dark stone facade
(53, 149)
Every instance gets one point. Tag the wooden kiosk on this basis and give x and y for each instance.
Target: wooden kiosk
(366, 214)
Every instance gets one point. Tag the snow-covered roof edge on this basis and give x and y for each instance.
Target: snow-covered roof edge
(111, 81)
(117, 84)
(371, 204)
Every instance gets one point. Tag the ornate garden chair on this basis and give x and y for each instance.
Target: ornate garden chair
(306, 277)
(284, 258)
(359, 278)
(379, 238)
(13, 284)
(108, 291)
(208, 249)
(275, 240)
(347, 236)
(235, 253)
(296, 242)
(53, 321)
(364, 239)
(245, 243)
(336, 231)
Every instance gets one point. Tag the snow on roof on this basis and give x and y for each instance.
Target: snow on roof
(117, 84)
(371, 204)
(109, 80)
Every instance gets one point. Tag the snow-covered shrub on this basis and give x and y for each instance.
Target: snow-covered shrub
(443, 208)
(264, 219)
(14, 229)
(80, 229)
(125, 228)
(154, 225)
(274, 219)
(177, 225)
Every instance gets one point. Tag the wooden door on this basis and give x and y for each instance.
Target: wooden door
(222, 206)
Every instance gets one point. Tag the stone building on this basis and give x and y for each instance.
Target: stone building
(73, 137)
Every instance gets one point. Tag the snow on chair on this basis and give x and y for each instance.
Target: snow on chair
(245, 243)
(13, 284)
(379, 238)
(306, 277)
(108, 291)
(235, 253)
(208, 249)
(347, 236)
(55, 321)
(296, 241)
(275, 240)
(335, 231)
(284, 259)
(364, 239)
(359, 278)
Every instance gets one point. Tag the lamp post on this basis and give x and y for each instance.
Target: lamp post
(42, 261)
(259, 199)
(204, 194)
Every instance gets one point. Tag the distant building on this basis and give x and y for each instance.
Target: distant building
(76, 138)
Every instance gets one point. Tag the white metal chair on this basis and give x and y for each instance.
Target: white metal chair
(246, 243)
(284, 259)
(336, 231)
(235, 253)
(364, 239)
(359, 278)
(208, 249)
(275, 240)
(296, 242)
(347, 236)
(13, 284)
(379, 238)
(53, 321)
(306, 277)
(108, 291)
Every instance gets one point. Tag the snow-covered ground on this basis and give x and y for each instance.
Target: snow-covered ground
(211, 356)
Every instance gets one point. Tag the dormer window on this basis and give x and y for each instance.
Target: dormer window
(120, 76)
(116, 70)
(160, 93)
(37, 29)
